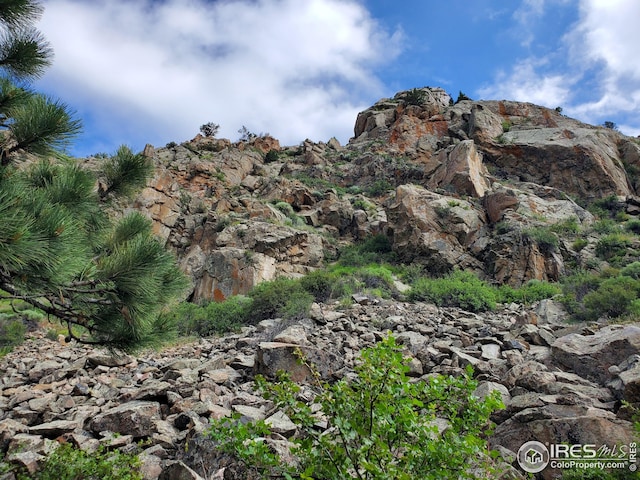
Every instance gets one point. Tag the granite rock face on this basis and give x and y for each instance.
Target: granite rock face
(488, 172)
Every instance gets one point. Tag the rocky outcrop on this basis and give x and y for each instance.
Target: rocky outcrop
(490, 172)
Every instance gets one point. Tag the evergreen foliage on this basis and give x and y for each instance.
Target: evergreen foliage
(59, 251)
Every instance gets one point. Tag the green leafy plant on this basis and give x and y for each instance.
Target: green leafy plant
(12, 332)
(579, 244)
(462, 97)
(282, 297)
(378, 188)
(209, 129)
(458, 289)
(612, 245)
(633, 226)
(379, 425)
(271, 156)
(568, 226)
(605, 226)
(69, 463)
(415, 96)
(209, 318)
(544, 237)
(532, 291)
(613, 298)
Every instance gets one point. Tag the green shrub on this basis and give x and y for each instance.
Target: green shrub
(374, 249)
(574, 289)
(579, 244)
(282, 297)
(612, 245)
(605, 226)
(12, 332)
(544, 237)
(612, 299)
(633, 226)
(607, 206)
(568, 226)
(532, 291)
(69, 463)
(381, 425)
(378, 188)
(271, 156)
(415, 96)
(502, 227)
(632, 270)
(285, 208)
(209, 318)
(458, 289)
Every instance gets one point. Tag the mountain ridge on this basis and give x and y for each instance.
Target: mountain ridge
(434, 176)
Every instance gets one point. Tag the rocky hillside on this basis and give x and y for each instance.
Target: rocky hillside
(472, 185)
(504, 189)
(559, 382)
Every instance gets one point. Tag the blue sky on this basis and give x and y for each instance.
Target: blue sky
(144, 71)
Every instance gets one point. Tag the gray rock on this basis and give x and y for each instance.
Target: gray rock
(137, 418)
(590, 356)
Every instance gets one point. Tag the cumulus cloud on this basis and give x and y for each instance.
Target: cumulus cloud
(604, 44)
(595, 71)
(525, 84)
(158, 70)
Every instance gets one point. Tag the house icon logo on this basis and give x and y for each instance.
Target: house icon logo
(533, 457)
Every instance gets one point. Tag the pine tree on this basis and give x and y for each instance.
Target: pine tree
(59, 251)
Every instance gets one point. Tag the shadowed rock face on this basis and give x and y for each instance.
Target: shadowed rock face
(452, 185)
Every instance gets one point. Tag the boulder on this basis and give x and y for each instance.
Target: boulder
(591, 356)
(137, 418)
(274, 356)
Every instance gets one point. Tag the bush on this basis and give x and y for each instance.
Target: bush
(579, 244)
(209, 129)
(271, 156)
(322, 284)
(69, 463)
(458, 289)
(605, 226)
(532, 291)
(612, 245)
(210, 318)
(381, 425)
(415, 96)
(12, 331)
(632, 270)
(612, 299)
(568, 226)
(378, 188)
(607, 206)
(633, 226)
(374, 249)
(283, 297)
(546, 240)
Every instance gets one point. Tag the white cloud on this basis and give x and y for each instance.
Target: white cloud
(524, 84)
(604, 44)
(529, 12)
(160, 69)
(594, 73)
